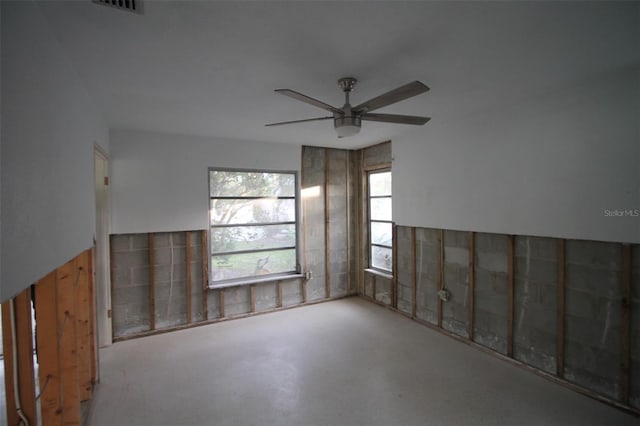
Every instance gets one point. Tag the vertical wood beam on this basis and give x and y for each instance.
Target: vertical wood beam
(373, 286)
(472, 283)
(24, 348)
(187, 261)
(394, 262)
(327, 227)
(152, 282)
(440, 272)
(252, 297)
(560, 319)
(626, 323)
(82, 326)
(361, 230)
(67, 278)
(205, 275)
(93, 335)
(511, 294)
(47, 335)
(414, 274)
(221, 301)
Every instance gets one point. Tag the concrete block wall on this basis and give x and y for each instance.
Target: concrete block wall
(491, 291)
(594, 316)
(455, 312)
(170, 279)
(634, 397)
(427, 272)
(130, 284)
(536, 301)
(526, 292)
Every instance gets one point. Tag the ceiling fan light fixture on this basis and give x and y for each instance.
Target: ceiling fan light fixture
(347, 126)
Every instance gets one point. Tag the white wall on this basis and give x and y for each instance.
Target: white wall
(546, 166)
(159, 182)
(49, 127)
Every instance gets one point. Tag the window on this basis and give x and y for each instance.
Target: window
(380, 224)
(254, 224)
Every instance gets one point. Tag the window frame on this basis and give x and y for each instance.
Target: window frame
(370, 244)
(248, 280)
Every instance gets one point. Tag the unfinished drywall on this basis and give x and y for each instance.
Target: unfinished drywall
(149, 169)
(49, 128)
(404, 273)
(560, 163)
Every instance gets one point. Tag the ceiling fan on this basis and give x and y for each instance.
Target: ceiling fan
(347, 120)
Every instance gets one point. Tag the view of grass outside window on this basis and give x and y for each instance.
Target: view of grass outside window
(253, 220)
(380, 224)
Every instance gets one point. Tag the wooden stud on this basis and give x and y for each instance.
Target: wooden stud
(252, 297)
(47, 336)
(67, 278)
(626, 322)
(221, 295)
(152, 282)
(24, 349)
(560, 320)
(472, 283)
(394, 266)
(373, 286)
(187, 261)
(95, 367)
(82, 326)
(361, 229)
(205, 275)
(440, 273)
(511, 294)
(279, 288)
(414, 274)
(327, 227)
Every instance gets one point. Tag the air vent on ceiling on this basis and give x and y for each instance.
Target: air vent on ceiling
(130, 5)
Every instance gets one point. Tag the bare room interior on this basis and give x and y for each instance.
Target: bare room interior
(319, 213)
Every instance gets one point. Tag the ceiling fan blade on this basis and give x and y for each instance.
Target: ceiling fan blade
(395, 118)
(299, 121)
(396, 95)
(304, 98)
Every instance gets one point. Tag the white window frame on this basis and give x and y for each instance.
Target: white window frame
(370, 244)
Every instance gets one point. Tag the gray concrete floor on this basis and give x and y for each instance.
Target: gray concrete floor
(346, 362)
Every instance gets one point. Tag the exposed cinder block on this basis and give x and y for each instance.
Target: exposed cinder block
(213, 304)
(594, 313)
(291, 292)
(377, 154)
(237, 301)
(316, 287)
(535, 301)
(427, 252)
(455, 311)
(634, 397)
(266, 296)
(383, 290)
(120, 242)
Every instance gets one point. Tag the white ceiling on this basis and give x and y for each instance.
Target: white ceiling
(209, 68)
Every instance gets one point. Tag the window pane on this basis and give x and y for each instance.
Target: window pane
(248, 265)
(251, 184)
(237, 238)
(264, 210)
(381, 257)
(380, 183)
(380, 209)
(381, 233)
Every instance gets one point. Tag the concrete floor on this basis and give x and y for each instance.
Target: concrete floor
(347, 362)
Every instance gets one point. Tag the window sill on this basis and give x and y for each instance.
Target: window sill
(379, 273)
(249, 281)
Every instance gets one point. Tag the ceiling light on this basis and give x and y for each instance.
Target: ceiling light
(347, 126)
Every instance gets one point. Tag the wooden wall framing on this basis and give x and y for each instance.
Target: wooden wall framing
(66, 345)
